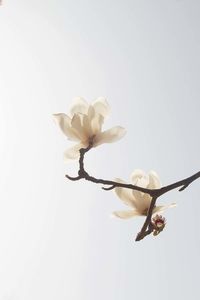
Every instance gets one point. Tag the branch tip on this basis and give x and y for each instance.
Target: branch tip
(108, 188)
(72, 178)
(183, 187)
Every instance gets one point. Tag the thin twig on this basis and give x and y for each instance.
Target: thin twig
(154, 193)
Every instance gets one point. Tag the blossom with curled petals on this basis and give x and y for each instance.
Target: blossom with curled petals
(158, 223)
(84, 126)
(139, 202)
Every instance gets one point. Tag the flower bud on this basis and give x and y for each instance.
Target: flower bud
(158, 223)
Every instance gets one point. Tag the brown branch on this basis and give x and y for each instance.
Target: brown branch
(147, 226)
(82, 174)
(154, 193)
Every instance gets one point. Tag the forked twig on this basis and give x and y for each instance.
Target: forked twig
(147, 227)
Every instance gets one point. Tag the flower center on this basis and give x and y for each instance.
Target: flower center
(91, 140)
(159, 223)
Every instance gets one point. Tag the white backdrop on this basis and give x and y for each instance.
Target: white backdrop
(57, 240)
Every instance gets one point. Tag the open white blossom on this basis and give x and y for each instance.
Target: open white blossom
(84, 126)
(138, 201)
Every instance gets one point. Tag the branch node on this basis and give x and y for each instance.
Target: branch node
(83, 174)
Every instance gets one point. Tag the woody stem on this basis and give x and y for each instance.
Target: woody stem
(154, 193)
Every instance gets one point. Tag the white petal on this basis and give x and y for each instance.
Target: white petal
(64, 122)
(124, 194)
(76, 124)
(162, 208)
(96, 123)
(88, 121)
(109, 136)
(73, 152)
(154, 181)
(143, 201)
(139, 178)
(79, 106)
(91, 112)
(101, 106)
(126, 214)
(95, 119)
(87, 126)
(137, 173)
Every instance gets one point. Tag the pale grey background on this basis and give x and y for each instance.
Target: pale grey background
(57, 240)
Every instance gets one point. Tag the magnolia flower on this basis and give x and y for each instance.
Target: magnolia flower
(84, 125)
(138, 201)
